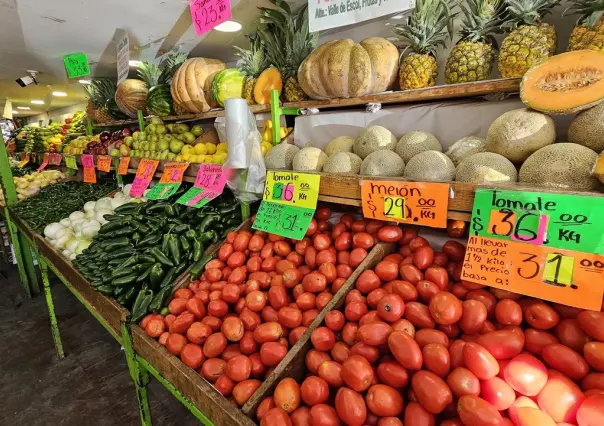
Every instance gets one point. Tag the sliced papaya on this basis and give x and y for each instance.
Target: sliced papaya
(269, 80)
(565, 83)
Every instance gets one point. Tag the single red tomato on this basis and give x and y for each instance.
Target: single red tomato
(463, 382)
(350, 407)
(497, 393)
(560, 398)
(445, 308)
(480, 361)
(431, 391)
(526, 374)
(357, 373)
(474, 411)
(591, 412)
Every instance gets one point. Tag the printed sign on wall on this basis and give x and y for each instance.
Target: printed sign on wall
(325, 14)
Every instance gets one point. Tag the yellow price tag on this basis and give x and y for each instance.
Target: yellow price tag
(558, 269)
(394, 208)
(294, 189)
(71, 162)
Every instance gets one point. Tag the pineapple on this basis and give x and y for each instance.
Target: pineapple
(531, 41)
(430, 24)
(251, 63)
(101, 94)
(287, 43)
(473, 56)
(589, 31)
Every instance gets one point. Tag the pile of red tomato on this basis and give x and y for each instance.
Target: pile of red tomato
(257, 298)
(416, 346)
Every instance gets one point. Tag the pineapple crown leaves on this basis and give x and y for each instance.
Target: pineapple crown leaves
(590, 11)
(253, 61)
(429, 26)
(100, 90)
(527, 12)
(482, 18)
(153, 74)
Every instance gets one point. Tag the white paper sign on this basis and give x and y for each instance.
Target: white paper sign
(123, 57)
(325, 14)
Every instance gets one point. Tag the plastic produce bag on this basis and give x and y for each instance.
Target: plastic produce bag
(245, 157)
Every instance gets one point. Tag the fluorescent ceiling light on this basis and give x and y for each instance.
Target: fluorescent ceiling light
(37, 102)
(23, 108)
(135, 63)
(84, 81)
(61, 94)
(228, 27)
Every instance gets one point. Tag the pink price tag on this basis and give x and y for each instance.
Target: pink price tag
(87, 161)
(207, 14)
(139, 185)
(211, 177)
(210, 195)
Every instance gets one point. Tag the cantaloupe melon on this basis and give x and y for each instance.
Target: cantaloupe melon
(382, 163)
(269, 80)
(344, 69)
(343, 162)
(518, 133)
(587, 129)
(131, 97)
(309, 159)
(430, 166)
(486, 167)
(281, 157)
(565, 83)
(414, 142)
(465, 147)
(373, 138)
(339, 144)
(562, 165)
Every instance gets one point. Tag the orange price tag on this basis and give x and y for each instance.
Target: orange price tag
(89, 175)
(103, 163)
(416, 203)
(146, 168)
(173, 172)
(123, 166)
(561, 276)
(25, 160)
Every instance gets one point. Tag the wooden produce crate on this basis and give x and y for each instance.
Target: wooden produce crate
(294, 363)
(105, 307)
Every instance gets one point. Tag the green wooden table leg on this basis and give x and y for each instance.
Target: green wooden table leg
(14, 237)
(54, 326)
(139, 375)
(27, 253)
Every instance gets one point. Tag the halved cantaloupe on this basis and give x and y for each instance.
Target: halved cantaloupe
(565, 83)
(269, 80)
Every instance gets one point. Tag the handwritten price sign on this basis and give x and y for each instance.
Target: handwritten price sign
(70, 162)
(122, 168)
(415, 203)
(209, 184)
(169, 182)
(44, 162)
(207, 14)
(536, 244)
(103, 163)
(89, 170)
(76, 65)
(288, 204)
(144, 175)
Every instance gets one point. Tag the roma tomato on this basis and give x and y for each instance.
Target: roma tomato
(386, 270)
(431, 391)
(357, 373)
(560, 398)
(454, 250)
(526, 374)
(463, 382)
(445, 308)
(593, 324)
(390, 233)
(411, 273)
(374, 334)
(239, 368)
(541, 316)
(438, 275)
(479, 361)
(314, 390)
(393, 374)
(594, 355)
(502, 344)
(508, 312)
(497, 393)
(473, 317)
(427, 335)
(406, 350)
(384, 401)
(437, 359)
(287, 395)
(391, 307)
(271, 353)
(474, 411)
(323, 339)
(330, 371)
(527, 416)
(416, 415)
(565, 360)
(536, 340)
(244, 390)
(275, 417)
(591, 412)
(419, 315)
(350, 407)
(423, 257)
(324, 415)
(571, 334)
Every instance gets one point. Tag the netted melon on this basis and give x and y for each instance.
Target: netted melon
(565, 83)
(486, 167)
(373, 138)
(413, 143)
(518, 133)
(309, 159)
(382, 163)
(343, 162)
(339, 144)
(430, 166)
(465, 147)
(281, 157)
(587, 129)
(562, 165)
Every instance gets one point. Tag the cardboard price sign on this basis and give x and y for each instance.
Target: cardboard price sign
(414, 203)
(169, 182)
(211, 177)
(144, 174)
(70, 162)
(44, 162)
(55, 159)
(103, 163)
(89, 170)
(197, 197)
(537, 244)
(25, 160)
(207, 14)
(122, 169)
(76, 65)
(288, 204)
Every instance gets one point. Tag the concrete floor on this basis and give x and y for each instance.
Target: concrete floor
(90, 387)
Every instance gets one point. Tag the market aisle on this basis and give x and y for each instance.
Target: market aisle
(91, 386)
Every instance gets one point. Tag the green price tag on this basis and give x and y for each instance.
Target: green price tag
(282, 219)
(197, 197)
(161, 191)
(76, 65)
(71, 162)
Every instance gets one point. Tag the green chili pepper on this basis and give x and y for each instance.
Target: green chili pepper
(156, 275)
(174, 248)
(141, 305)
(160, 257)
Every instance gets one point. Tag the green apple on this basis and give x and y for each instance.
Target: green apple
(134, 153)
(136, 135)
(144, 146)
(171, 156)
(155, 155)
(170, 127)
(176, 146)
(124, 150)
(136, 144)
(115, 152)
(181, 128)
(153, 146)
(156, 120)
(168, 137)
(150, 129)
(189, 137)
(128, 140)
(163, 155)
(160, 129)
(197, 130)
(147, 154)
(163, 145)
(142, 136)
